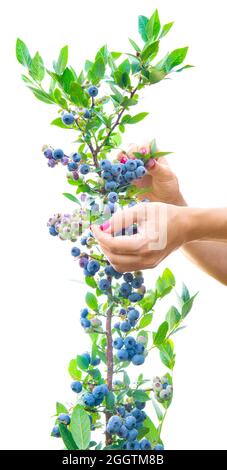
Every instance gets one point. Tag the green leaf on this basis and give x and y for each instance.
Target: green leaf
(126, 379)
(124, 67)
(153, 26)
(185, 67)
(90, 281)
(62, 61)
(59, 98)
(60, 408)
(78, 94)
(72, 198)
(66, 79)
(150, 51)
(185, 295)
(160, 336)
(174, 58)
(74, 372)
(187, 306)
(91, 301)
(142, 433)
(42, 96)
(140, 395)
(142, 23)
(157, 409)
(155, 75)
(166, 28)
(137, 118)
(152, 435)
(58, 122)
(145, 320)
(173, 317)
(80, 427)
(82, 362)
(167, 355)
(110, 401)
(37, 70)
(97, 71)
(67, 437)
(22, 53)
(134, 45)
(165, 283)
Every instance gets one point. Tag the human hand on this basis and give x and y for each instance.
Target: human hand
(161, 181)
(161, 229)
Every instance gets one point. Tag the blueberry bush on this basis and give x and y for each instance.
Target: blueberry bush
(119, 308)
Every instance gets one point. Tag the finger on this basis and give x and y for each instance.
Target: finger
(131, 149)
(123, 263)
(160, 171)
(118, 245)
(125, 218)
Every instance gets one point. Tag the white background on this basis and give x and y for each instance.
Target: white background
(40, 329)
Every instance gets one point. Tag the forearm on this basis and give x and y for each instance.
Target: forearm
(206, 224)
(209, 256)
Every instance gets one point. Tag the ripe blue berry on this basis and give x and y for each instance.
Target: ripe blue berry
(98, 392)
(159, 447)
(118, 343)
(88, 399)
(128, 277)
(76, 386)
(130, 176)
(84, 169)
(137, 282)
(125, 289)
(133, 315)
(121, 411)
(75, 251)
(122, 311)
(110, 186)
(116, 169)
(132, 435)
(130, 422)
(56, 431)
(76, 157)
(93, 91)
(84, 313)
(117, 325)
(87, 356)
(134, 445)
(87, 114)
(122, 355)
(114, 424)
(104, 284)
(72, 166)
(106, 165)
(140, 405)
(125, 326)
(68, 119)
(131, 165)
(135, 297)
(139, 348)
(53, 231)
(140, 172)
(95, 362)
(64, 418)
(93, 267)
(85, 323)
(129, 342)
(48, 153)
(145, 444)
(83, 241)
(106, 175)
(138, 359)
(123, 432)
(113, 197)
(58, 154)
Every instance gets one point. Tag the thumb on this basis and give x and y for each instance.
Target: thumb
(160, 171)
(123, 218)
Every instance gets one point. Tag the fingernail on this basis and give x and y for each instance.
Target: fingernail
(151, 163)
(143, 151)
(105, 226)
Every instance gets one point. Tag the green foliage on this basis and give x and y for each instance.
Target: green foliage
(80, 427)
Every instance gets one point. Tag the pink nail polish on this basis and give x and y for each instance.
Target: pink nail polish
(105, 226)
(151, 163)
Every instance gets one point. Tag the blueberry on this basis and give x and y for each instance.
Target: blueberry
(106, 165)
(130, 422)
(122, 311)
(109, 270)
(125, 289)
(95, 362)
(137, 282)
(159, 447)
(135, 297)
(84, 169)
(139, 162)
(56, 432)
(83, 241)
(138, 359)
(117, 325)
(104, 284)
(75, 251)
(84, 313)
(105, 389)
(116, 169)
(58, 154)
(93, 267)
(112, 207)
(129, 342)
(122, 355)
(98, 393)
(130, 176)
(140, 405)
(48, 153)
(139, 348)
(132, 435)
(83, 262)
(128, 277)
(87, 114)
(110, 186)
(114, 424)
(145, 444)
(72, 166)
(53, 231)
(140, 172)
(86, 356)
(93, 91)
(123, 432)
(125, 326)
(134, 445)
(75, 175)
(133, 315)
(68, 119)
(121, 411)
(117, 383)
(106, 175)
(76, 157)
(76, 386)
(118, 343)
(131, 165)
(164, 386)
(85, 323)
(51, 162)
(113, 197)
(88, 399)
(64, 418)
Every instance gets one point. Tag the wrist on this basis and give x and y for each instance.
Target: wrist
(179, 200)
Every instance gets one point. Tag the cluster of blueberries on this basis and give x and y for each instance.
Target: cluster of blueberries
(130, 317)
(120, 174)
(73, 162)
(126, 425)
(69, 118)
(129, 349)
(163, 390)
(132, 282)
(89, 324)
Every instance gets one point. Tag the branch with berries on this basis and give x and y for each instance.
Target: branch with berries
(119, 309)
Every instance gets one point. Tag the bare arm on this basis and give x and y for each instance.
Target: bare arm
(210, 256)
